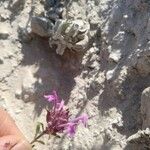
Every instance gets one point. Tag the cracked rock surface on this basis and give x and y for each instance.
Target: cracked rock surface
(109, 81)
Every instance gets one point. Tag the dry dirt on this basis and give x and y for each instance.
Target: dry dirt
(109, 81)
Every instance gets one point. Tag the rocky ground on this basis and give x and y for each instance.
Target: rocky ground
(110, 80)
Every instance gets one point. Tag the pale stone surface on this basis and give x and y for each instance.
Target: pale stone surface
(4, 31)
(110, 81)
(145, 105)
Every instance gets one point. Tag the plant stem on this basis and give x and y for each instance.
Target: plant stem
(36, 138)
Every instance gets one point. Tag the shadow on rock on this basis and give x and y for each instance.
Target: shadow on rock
(124, 85)
(53, 71)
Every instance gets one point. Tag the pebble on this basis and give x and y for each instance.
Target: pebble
(41, 26)
(4, 16)
(115, 56)
(4, 31)
(110, 74)
(18, 94)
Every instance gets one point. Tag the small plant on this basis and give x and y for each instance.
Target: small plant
(58, 120)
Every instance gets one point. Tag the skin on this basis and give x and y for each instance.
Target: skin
(11, 137)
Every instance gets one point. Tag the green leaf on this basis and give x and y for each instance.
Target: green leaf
(41, 142)
(37, 129)
(42, 126)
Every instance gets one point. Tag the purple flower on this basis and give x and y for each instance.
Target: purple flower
(83, 118)
(71, 129)
(72, 125)
(53, 97)
(58, 117)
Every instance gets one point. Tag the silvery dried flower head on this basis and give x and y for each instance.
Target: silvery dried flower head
(58, 118)
(69, 34)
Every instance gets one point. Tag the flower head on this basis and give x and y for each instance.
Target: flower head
(58, 117)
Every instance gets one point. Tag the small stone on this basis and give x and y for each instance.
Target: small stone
(18, 111)
(141, 137)
(4, 16)
(145, 105)
(115, 56)
(18, 94)
(26, 98)
(110, 74)
(143, 63)
(25, 34)
(4, 31)
(109, 48)
(49, 3)
(3, 103)
(52, 15)
(95, 65)
(125, 16)
(41, 26)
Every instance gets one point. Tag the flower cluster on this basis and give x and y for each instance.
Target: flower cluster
(58, 118)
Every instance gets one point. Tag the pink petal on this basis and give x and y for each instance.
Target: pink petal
(49, 98)
(71, 129)
(83, 118)
(60, 105)
(56, 96)
(52, 97)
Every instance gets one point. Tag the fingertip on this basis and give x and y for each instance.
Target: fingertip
(22, 145)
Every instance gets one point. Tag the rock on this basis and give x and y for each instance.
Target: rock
(53, 4)
(145, 108)
(49, 4)
(25, 34)
(4, 16)
(143, 63)
(110, 74)
(18, 94)
(38, 11)
(115, 56)
(18, 111)
(41, 26)
(140, 140)
(1, 60)
(52, 15)
(3, 102)
(93, 19)
(4, 31)
(28, 87)
(54, 9)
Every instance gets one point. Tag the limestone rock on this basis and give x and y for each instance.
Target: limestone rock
(145, 108)
(143, 63)
(140, 140)
(115, 55)
(41, 26)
